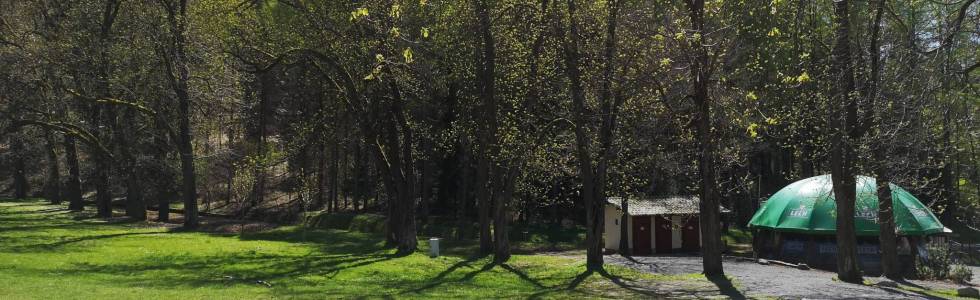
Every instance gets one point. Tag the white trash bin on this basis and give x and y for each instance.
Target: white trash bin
(433, 247)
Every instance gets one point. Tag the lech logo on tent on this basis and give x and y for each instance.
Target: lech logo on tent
(800, 212)
(867, 213)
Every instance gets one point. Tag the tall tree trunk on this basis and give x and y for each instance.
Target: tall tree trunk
(591, 179)
(391, 202)
(135, 205)
(180, 75)
(486, 78)
(345, 170)
(105, 116)
(21, 185)
(405, 166)
(321, 177)
(462, 190)
(359, 174)
(501, 214)
(230, 179)
(886, 219)
(52, 185)
(843, 120)
(103, 196)
(163, 189)
(483, 193)
(396, 163)
(624, 236)
(73, 184)
(188, 174)
(334, 176)
(886, 213)
(710, 216)
(426, 179)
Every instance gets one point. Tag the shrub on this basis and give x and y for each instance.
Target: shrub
(330, 221)
(369, 223)
(937, 266)
(438, 226)
(940, 265)
(960, 273)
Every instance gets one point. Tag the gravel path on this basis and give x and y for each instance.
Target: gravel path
(754, 279)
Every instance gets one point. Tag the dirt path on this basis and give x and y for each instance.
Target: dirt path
(753, 279)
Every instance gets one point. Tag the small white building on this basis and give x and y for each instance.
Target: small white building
(662, 225)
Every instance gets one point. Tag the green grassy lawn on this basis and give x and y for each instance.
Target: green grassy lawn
(49, 253)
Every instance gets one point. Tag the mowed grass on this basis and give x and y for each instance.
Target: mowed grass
(47, 252)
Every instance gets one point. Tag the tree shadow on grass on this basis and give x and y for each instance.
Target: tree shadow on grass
(917, 289)
(334, 252)
(327, 240)
(171, 269)
(45, 211)
(330, 241)
(621, 282)
(54, 210)
(65, 242)
(726, 287)
(43, 229)
(909, 283)
(440, 278)
(186, 270)
(29, 228)
(572, 285)
(523, 276)
(24, 202)
(579, 279)
(909, 293)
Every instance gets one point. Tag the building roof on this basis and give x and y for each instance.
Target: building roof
(675, 205)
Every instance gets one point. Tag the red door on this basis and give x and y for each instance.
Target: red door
(691, 234)
(641, 235)
(662, 234)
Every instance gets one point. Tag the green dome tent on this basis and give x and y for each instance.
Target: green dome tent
(808, 206)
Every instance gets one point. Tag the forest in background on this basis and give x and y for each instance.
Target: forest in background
(483, 112)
